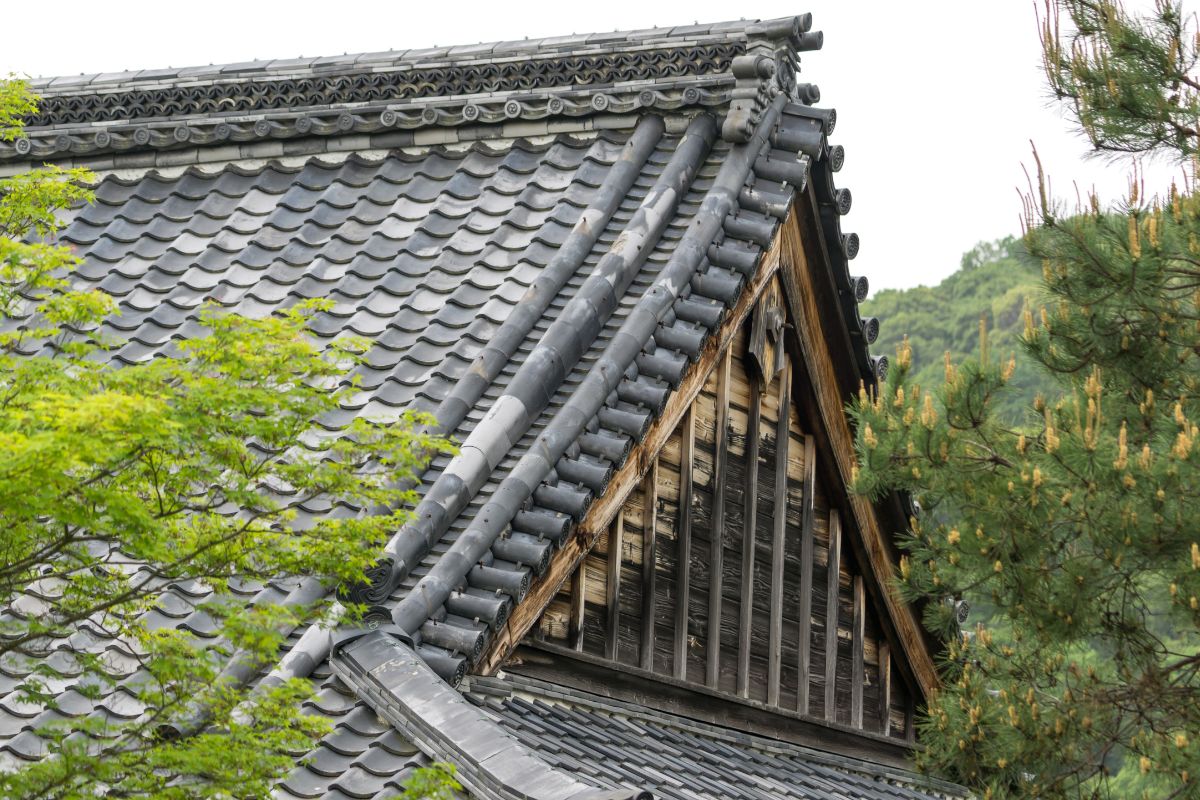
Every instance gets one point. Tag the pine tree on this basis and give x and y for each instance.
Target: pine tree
(1080, 524)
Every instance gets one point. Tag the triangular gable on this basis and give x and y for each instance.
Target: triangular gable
(748, 619)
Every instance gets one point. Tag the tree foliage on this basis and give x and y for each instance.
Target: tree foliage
(186, 470)
(997, 281)
(1076, 522)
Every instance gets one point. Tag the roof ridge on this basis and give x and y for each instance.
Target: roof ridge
(394, 100)
(542, 47)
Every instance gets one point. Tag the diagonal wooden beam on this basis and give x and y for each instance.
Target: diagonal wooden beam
(814, 308)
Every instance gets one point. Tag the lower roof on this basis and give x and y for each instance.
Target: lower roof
(599, 741)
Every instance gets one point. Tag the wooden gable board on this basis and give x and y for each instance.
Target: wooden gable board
(651, 484)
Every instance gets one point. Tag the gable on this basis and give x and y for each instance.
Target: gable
(746, 614)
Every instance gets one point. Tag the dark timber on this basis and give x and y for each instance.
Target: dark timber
(778, 536)
(807, 520)
(858, 668)
(649, 560)
(750, 523)
(613, 589)
(832, 606)
(716, 563)
(684, 580)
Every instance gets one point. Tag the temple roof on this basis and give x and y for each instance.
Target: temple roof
(537, 239)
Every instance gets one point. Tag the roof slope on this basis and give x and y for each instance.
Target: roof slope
(535, 237)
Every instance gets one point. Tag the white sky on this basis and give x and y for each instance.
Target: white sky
(937, 99)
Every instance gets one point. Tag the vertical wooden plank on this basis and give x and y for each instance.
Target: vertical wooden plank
(750, 520)
(578, 599)
(910, 730)
(683, 578)
(616, 531)
(808, 514)
(831, 614)
(716, 561)
(649, 561)
(885, 689)
(779, 530)
(857, 647)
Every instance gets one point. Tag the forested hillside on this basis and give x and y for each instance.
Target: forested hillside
(996, 280)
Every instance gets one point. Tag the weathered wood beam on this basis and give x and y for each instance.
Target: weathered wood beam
(807, 521)
(749, 524)
(616, 532)
(810, 293)
(716, 558)
(683, 575)
(885, 689)
(578, 602)
(607, 505)
(649, 562)
(858, 636)
(832, 608)
(783, 439)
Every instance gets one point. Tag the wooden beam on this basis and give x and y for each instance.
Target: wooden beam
(616, 532)
(578, 602)
(749, 525)
(885, 689)
(822, 335)
(858, 636)
(683, 573)
(807, 521)
(606, 506)
(832, 607)
(716, 555)
(783, 439)
(649, 562)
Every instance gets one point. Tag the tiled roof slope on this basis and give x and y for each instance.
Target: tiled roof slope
(536, 239)
(605, 742)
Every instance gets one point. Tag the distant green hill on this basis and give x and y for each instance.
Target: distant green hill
(997, 279)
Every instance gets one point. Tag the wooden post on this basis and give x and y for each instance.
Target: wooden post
(683, 576)
(779, 534)
(749, 523)
(578, 600)
(649, 561)
(613, 590)
(808, 514)
(910, 731)
(885, 689)
(716, 561)
(832, 603)
(858, 668)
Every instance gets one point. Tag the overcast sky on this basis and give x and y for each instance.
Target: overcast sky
(937, 99)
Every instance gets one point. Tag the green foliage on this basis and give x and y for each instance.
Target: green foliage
(189, 468)
(1075, 521)
(997, 282)
(435, 782)
(1130, 80)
